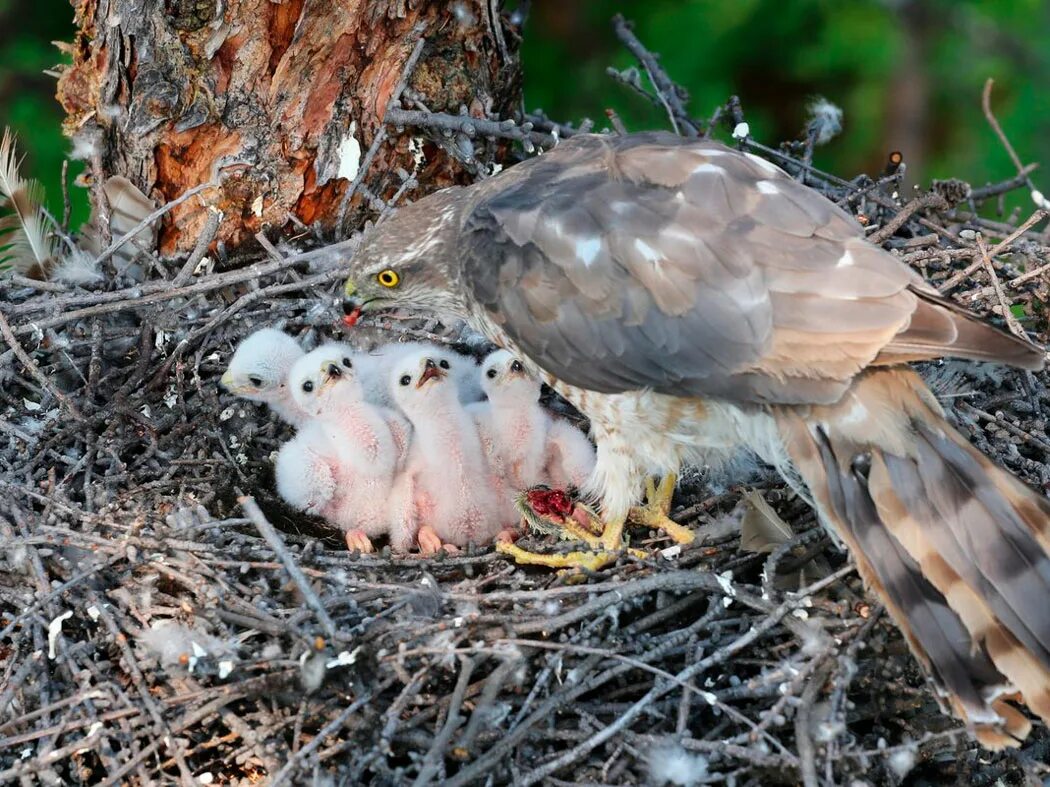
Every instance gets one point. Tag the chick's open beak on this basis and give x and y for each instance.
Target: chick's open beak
(430, 372)
(227, 380)
(330, 372)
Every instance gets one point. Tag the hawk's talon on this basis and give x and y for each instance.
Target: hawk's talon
(551, 512)
(591, 561)
(656, 512)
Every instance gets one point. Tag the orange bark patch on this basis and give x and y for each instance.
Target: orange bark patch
(185, 162)
(325, 88)
(317, 204)
(282, 27)
(223, 63)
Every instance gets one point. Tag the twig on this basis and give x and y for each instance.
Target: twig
(34, 370)
(327, 731)
(927, 201)
(267, 531)
(807, 753)
(995, 189)
(211, 227)
(472, 127)
(380, 135)
(1004, 305)
(116, 245)
(428, 770)
(123, 300)
(667, 91)
(997, 249)
(986, 107)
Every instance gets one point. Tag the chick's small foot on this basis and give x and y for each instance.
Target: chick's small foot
(429, 541)
(358, 540)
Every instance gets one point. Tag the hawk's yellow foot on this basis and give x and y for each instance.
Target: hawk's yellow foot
(552, 512)
(592, 561)
(657, 510)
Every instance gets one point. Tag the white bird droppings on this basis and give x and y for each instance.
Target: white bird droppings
(742, 131)
(349, 155)
(344, 659)
(54, 628)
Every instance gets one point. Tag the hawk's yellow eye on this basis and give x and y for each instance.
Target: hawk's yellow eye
(388, 278)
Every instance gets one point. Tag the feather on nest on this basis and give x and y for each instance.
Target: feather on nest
(26, 243)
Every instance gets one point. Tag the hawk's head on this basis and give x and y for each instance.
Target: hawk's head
(408, 260)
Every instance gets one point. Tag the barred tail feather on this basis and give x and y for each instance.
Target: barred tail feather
(956, 547)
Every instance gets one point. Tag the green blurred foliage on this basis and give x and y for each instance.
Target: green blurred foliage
(27, 95)
(907, 73)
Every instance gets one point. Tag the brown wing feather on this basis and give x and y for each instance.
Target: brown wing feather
(940, 328)
(649, 261)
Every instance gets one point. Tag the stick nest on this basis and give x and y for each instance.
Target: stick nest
(160, 627)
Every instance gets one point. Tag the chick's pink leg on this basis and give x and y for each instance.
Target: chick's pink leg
(359, 540)
(429, 541)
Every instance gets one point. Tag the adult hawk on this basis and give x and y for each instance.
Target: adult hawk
(691, 299)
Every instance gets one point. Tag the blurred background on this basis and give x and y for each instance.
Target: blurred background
(907, 73)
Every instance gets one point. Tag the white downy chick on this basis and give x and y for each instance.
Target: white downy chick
(352, 437)
(528, 445)
(368, 371)
(380, 362)
(259, 371)
(442, 497)
(570, 456)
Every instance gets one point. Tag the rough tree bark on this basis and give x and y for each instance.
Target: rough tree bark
(277, 101)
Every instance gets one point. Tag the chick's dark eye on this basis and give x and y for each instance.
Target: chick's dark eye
(516, 366)
(347, 363)
(405, 379)
(443, 364)
(308, 386)
(256, 381)
(491, 374)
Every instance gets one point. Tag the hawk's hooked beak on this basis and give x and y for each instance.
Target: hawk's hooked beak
(352, 305)
(430, 372)
(351, 312)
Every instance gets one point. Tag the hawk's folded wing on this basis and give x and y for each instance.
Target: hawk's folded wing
(651, 261)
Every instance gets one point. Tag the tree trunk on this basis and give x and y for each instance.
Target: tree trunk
(278, 102)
